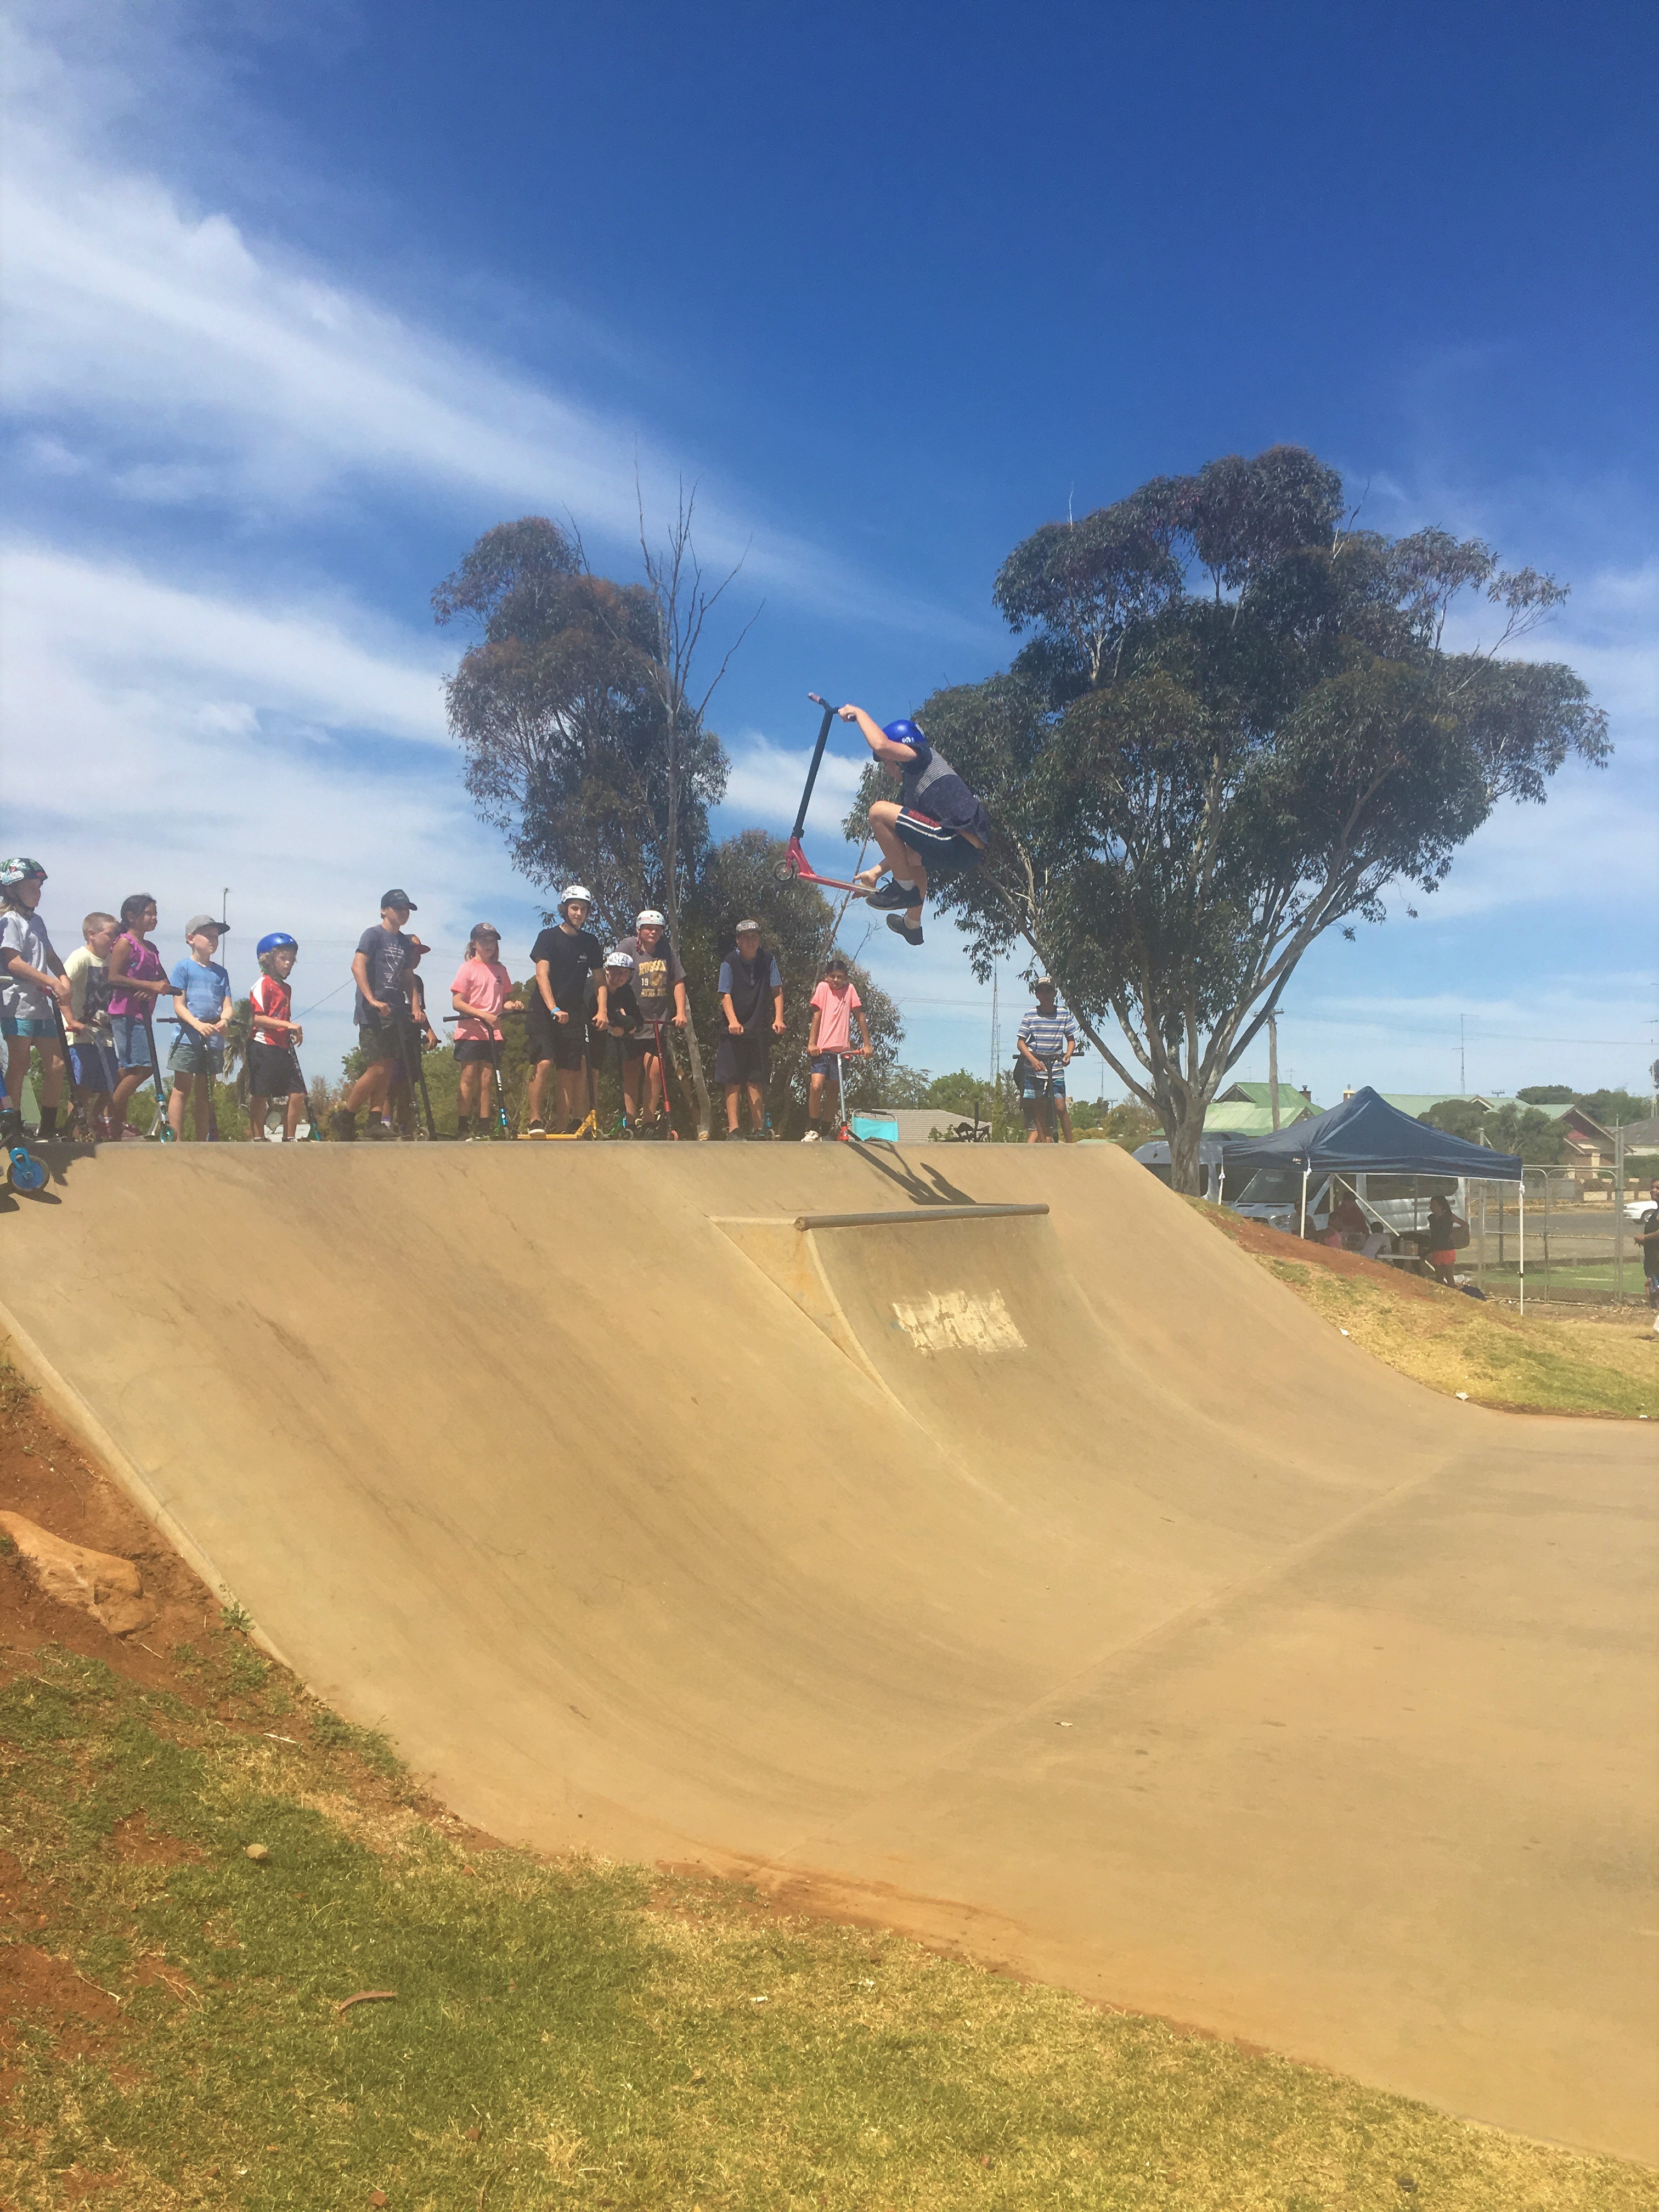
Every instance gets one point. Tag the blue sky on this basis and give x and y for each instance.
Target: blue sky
(299, 300)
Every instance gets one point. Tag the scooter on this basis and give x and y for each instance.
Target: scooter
(664, 1128)
(495, 1073)
(23, 1171)
(795, 867)
(160, 1130)
(80, 1130)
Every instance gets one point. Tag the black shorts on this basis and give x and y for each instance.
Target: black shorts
(381, 1041)
(565, 1043)
(743, 1059)
(945, 853)
(272, 1071)
(469, 1049)
(617, 1052)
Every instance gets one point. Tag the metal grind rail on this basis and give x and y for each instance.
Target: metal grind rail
(922, 1214)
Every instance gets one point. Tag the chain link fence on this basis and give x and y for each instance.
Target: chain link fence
(1580, 1238)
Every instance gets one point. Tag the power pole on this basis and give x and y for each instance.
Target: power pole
(1462, 1073)
(1273, 1063)
(996, 1056)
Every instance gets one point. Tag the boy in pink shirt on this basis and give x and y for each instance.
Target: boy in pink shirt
(479, 995)
(836, 1006)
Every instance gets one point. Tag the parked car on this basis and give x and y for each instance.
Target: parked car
(1396, 1203)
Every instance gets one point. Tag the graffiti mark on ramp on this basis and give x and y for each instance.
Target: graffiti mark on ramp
(957, 1320)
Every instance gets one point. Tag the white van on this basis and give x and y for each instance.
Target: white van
(1398, 1203)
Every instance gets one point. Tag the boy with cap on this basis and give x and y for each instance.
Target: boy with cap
(31, 979)
(660, 986)
(1048, 1038)
(750, 982)
(380, 967)
(934, 830)
(202, 999)
(481, 994)
(555, 1021)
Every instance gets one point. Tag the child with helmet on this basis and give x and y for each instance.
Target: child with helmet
(936, 828)
(615, 1027)
(660, 986)
(31, 984)
(566, 955)
(273, 1066)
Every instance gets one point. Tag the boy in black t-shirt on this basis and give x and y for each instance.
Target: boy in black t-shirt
(381, 967)
(556, 1019)
(615, 1026)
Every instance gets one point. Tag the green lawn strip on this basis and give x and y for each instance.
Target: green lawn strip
(583, 2034)
(1536, 1363)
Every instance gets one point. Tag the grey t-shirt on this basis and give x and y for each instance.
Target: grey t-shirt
(20, 999)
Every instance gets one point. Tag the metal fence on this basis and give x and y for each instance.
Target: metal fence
(1577, 1248)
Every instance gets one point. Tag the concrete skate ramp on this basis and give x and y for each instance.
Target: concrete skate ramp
(1048, 1583)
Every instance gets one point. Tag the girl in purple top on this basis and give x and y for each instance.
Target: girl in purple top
(137, 980)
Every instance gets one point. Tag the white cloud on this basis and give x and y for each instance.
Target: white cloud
(154, 345)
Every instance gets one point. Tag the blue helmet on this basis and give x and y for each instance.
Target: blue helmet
(277, 941)
(904, 733)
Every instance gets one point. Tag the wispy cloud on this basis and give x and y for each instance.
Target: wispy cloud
(157, 349)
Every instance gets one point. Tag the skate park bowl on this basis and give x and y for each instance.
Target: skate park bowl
(965, 1539)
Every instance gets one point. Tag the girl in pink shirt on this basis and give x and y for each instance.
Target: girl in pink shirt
(836, 1006)
(479, 995)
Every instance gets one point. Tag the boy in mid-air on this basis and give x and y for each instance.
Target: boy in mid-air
(1048, 1038)
(272, 1067)
(936, 828)
(202, 998)
(836, 1006)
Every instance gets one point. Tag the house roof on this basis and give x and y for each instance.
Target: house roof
(1261, 1094)
(1236, 1118)
(1418, 1102)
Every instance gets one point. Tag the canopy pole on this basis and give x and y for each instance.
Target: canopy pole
(1306, 1172)
(1521, 1262)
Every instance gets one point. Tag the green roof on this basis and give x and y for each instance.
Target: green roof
(1290, 1100)
(1417, 1103)
(1235, 1118)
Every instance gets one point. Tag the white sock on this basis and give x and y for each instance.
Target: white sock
(905, 883)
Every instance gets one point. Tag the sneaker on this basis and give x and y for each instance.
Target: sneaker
(342, 1126)
(537, 1129)
(811, 1138)
(462, 1127)
(381, 1132)
(894, 894)
(910, 932)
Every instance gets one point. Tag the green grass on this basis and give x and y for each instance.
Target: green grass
(578, 2033)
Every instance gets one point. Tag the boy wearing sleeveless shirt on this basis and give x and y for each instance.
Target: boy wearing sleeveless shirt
(934, 830)
(751, 999)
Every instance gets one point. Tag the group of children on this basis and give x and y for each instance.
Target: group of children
(587, 1008)
(92, 1018)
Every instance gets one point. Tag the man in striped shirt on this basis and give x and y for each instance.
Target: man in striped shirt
(1048, 1038)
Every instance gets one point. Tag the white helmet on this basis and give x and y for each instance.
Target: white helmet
(617, 959)
(575, 891)
(652, 920)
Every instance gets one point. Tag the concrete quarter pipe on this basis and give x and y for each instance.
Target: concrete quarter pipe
(1022, 1567)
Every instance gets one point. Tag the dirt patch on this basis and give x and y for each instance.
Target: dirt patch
(133, 1841)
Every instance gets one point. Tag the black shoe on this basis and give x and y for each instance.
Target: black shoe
(910, 932)
(895, 895)
(343, 1127)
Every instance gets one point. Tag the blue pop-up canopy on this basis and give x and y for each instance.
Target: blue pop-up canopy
(1365, 1135)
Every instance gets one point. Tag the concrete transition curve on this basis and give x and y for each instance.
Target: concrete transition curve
(970, 1539)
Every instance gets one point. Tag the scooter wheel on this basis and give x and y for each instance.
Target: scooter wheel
(784, 871)
(25, 1172)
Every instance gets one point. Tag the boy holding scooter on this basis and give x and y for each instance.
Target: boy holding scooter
(480, 997)
(34, 989)
(272, 1058)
